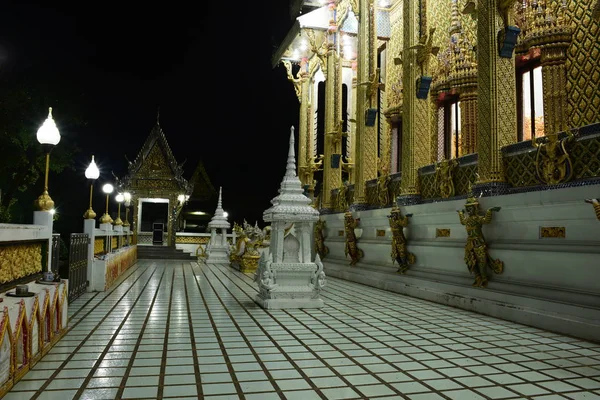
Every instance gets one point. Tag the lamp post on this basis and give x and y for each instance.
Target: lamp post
(127, 202)
(92, 173)
(106, 219)
(119, 198)
(48, 136)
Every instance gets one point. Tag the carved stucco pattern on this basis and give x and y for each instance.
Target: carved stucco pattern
(19, 260)
(497, 116)
(583, 69)
(155, 165)
(394, 72)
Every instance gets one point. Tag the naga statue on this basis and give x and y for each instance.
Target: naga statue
(320, 247)
(244, 254)
(596, 204)
(476, 249)
(351, 223)
(403, 257)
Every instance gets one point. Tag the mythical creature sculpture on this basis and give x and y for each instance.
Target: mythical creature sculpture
(320, 247)
(383, 194)
(596, 204)
(245, 254)
(552, 162)
(342, 197)
(403, 257)
(351, 223)
(443, 177)
(476, 251)
(425, 50)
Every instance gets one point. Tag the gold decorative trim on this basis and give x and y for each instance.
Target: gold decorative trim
(442, 232)
(380, 233)
(553, 232)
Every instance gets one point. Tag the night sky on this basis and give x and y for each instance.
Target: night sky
(208, 67)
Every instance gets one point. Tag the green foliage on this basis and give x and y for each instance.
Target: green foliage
(22, 111)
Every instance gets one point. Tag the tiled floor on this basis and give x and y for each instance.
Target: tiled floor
(179, 330)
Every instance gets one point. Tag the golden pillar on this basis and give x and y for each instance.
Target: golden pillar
(497, 110)
(332, 174)
(468, 113)
(554, 82)
(366, 98)
(416, 134)
(351, 151)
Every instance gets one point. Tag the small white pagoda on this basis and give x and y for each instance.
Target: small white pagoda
(287, 276)
(217, 250)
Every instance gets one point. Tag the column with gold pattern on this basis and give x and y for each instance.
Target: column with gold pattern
(497, 110)
(332, 163)
(415, 112)
(366, 100)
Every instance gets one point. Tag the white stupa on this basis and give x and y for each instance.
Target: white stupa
(287, 276)
(217, 250)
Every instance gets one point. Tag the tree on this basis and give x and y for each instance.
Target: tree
(23, 108)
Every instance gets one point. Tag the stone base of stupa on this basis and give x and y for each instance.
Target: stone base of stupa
(217, 255)
(289, 285)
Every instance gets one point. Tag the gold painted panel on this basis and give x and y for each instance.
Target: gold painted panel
(98, 245)
(583, 65)
(19, 260)
(553, 232)
(380, 233)
(192, 239)
(442, 232)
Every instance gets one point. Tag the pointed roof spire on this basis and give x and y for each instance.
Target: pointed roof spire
(158, 116)
(290, 169)
(219, 220)
(291, 204)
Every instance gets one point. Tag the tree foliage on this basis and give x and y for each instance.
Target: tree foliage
(23, 108)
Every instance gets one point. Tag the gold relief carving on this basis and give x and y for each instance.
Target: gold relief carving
(340, 233)
(444, 177)
(350, 225)
(383, 194)
(400, 254)
(477, 257)
(160, 185)
(155, 164)
(552, 162)
(114, 243)
(19, 260)
(553, 232)
(342, 198)
(99, 245)
(296, 81)
(320, 247)
(380, 233)
(442, 232)
(192, 239)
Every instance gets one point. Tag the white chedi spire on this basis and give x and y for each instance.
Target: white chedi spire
(291, 204)
(219, 220)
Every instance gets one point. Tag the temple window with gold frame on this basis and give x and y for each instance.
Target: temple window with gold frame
(530, 97)
(449, 128)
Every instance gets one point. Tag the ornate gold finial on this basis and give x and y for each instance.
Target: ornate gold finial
(471, 199)
(158, 116)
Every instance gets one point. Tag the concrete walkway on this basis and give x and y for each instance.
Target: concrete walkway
(183, 330)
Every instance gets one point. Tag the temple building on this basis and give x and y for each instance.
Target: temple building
(411, 110)
(197, 210)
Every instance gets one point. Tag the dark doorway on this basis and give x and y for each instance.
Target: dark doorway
(154, 213)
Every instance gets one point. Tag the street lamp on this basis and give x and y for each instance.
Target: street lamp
(48, 136)
(92, 173)
(127, 197)
(106, 219)
(119, 198)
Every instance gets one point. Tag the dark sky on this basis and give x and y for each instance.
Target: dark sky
(208, 67)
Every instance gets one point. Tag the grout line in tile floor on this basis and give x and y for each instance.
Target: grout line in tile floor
(64, 363)
(190, 320)
(163, 362)
(410, 348)
(342, 378)
(246, 279)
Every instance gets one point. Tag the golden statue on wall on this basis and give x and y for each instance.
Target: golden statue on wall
(596, 204)
(552, 162)
(342, 199)
(444, 177)
(350, 224)
(476, 251)
(383, 193)
(400, 254)
(320, 247)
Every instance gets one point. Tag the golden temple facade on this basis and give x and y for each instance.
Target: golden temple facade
(417, 100)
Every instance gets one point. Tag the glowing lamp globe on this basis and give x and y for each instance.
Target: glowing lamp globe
(120, 198)
(48, 132)
(92, 171)
(127, 197)
(108, 188)
(181, 198)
